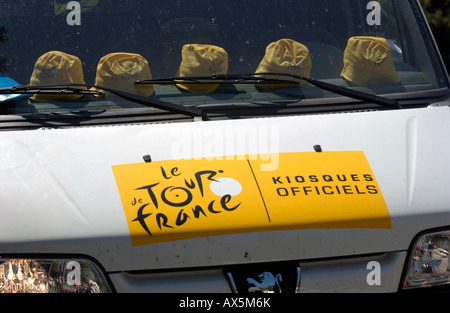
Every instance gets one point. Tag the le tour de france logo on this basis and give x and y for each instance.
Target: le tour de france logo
(164, 200)
(183, 199)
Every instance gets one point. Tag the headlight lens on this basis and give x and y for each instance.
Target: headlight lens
(429, 264)
(51, 276)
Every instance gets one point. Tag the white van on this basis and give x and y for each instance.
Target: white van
(222, 146)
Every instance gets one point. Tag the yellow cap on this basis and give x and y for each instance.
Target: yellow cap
(56, 67)
(368, 61)
(120, 70)
(202, 60)
(286, 56)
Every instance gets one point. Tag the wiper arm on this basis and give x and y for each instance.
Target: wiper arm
(261, 78)
(343, 91)
(83, 89)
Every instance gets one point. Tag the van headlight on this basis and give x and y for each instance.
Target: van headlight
(23, 275)
(429, 262)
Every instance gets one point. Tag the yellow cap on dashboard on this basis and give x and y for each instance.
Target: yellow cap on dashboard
(286, 56)
(120, 70)
(202, 60)
(56, 67)
(368, 61)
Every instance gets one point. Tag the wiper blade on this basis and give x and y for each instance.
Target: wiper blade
(70, 89)
(84, 89)
(264, 78)
(252, 79)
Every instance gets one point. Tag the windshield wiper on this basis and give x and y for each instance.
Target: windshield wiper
(343, 91)
(49, 90)
(264, 78)
(251, 79)
(83, 89)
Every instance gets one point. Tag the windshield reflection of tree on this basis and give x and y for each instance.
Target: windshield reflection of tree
(2, 39)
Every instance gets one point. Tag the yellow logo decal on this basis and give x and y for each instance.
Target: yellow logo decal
(182, 199)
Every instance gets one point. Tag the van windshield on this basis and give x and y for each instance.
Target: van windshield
(172, 50)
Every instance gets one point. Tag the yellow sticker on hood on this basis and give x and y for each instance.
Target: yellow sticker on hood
(182, 199)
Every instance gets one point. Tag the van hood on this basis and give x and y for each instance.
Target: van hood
(203, 194)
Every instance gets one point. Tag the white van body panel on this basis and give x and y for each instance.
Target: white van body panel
(59, 194)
